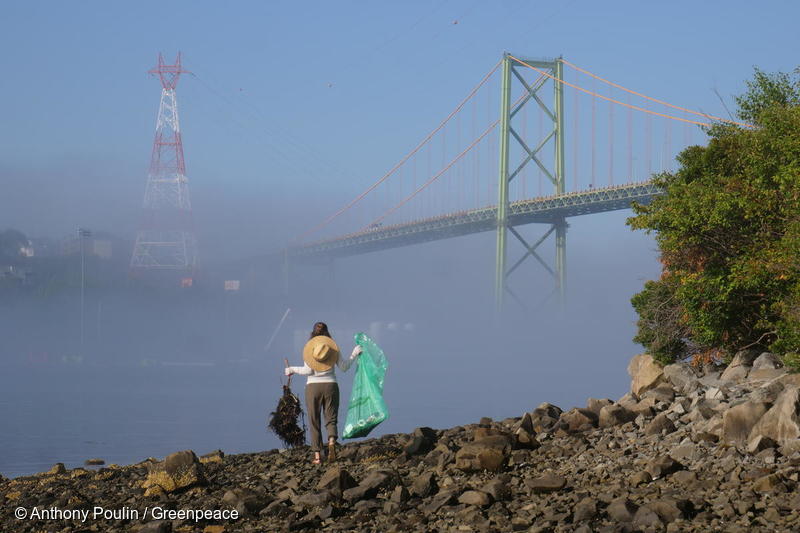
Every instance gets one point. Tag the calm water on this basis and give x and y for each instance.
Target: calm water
(70, 413)
(123, 415)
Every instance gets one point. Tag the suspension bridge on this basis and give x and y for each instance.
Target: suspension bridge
(478, 171)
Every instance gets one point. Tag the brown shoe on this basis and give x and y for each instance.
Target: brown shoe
(331, 452)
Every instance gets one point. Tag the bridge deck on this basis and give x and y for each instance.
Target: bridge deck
(534, 210)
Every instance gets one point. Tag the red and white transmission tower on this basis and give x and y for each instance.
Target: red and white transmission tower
(166, 239)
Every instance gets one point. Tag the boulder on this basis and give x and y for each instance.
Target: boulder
(314, 499)
(526, 423)
(523, 440)
(424, 485)
(760, 443)
(659, 424)
(578, 418)
(445, 497)
(645, 373)
(336, 480)
(475, 497)
(646, 519)
(244, 500)
(769, 483)
(622, 510)
(547, 483)
(628, 400)
(545, 417)
(662, 393)
(586, 509)
(670, 510)
(400, 494)
(645, 407)
(682, 377)
(595, 405)
(380, 480)
(740, 365)
(782, 422)
(483, 455)
(57, 469)
(738, 421)
(663, 465)
(484, 433)
(179, 470)
(767, 361)
(358, 493)
(614, 415)
(498, 488)
(418, 445)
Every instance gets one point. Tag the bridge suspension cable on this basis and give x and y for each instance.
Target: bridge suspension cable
(698, 113)
(444, 169)
(596, 95)
(404, 159)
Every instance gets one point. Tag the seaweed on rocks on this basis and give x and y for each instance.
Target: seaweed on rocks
(284, 420)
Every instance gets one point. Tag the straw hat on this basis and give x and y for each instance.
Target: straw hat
(321, 353)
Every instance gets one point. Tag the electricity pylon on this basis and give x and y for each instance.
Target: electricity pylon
(166, 239)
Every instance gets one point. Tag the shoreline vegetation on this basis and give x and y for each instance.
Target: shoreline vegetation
(687, 449)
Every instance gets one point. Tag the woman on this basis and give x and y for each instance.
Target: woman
(320, 354)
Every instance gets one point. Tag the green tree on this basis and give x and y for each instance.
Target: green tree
(728, 229)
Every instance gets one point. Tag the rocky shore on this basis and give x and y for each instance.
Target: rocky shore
(713, 449)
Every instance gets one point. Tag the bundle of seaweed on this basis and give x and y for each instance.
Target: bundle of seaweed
(283, 421)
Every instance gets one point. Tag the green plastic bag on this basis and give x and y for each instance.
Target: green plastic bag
(367, 408)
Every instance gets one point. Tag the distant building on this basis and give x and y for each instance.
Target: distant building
(102, 248)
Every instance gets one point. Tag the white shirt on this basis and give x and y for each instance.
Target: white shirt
(325, 376)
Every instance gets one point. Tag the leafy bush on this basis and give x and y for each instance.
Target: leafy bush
(728, 229)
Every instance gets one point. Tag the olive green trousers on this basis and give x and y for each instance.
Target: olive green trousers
(322, 397)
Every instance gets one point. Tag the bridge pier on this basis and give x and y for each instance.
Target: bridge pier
(505, 176)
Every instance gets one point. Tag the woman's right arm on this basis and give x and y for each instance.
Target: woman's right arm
(304, 370)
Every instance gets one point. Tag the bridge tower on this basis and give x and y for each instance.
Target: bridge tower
(166, 240)
(554, 172)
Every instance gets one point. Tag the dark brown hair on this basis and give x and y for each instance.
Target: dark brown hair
(320, 328)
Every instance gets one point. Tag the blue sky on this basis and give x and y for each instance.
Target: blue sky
(303, 104)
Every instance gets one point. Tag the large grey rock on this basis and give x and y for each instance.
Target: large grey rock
(662, 393)
(483, 455)
(545, 417)
(424, 485)
(628, 400)
(549, 482)
(336, 480)
(178, 471)
(738, 421)
(615, 415)
(595, 404)
(498, 488)
(782, 422)
(578, 418)
(659, 424)
(358, 493)
(314, 499)
(740, 365)
(682, 377)
(380, 479)
(663, 465)
(645, 373)
(646, 519)
(670, 510)
(622, 510)
(475, 497)
(586, 509)
(767, 360)
(245, 500)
